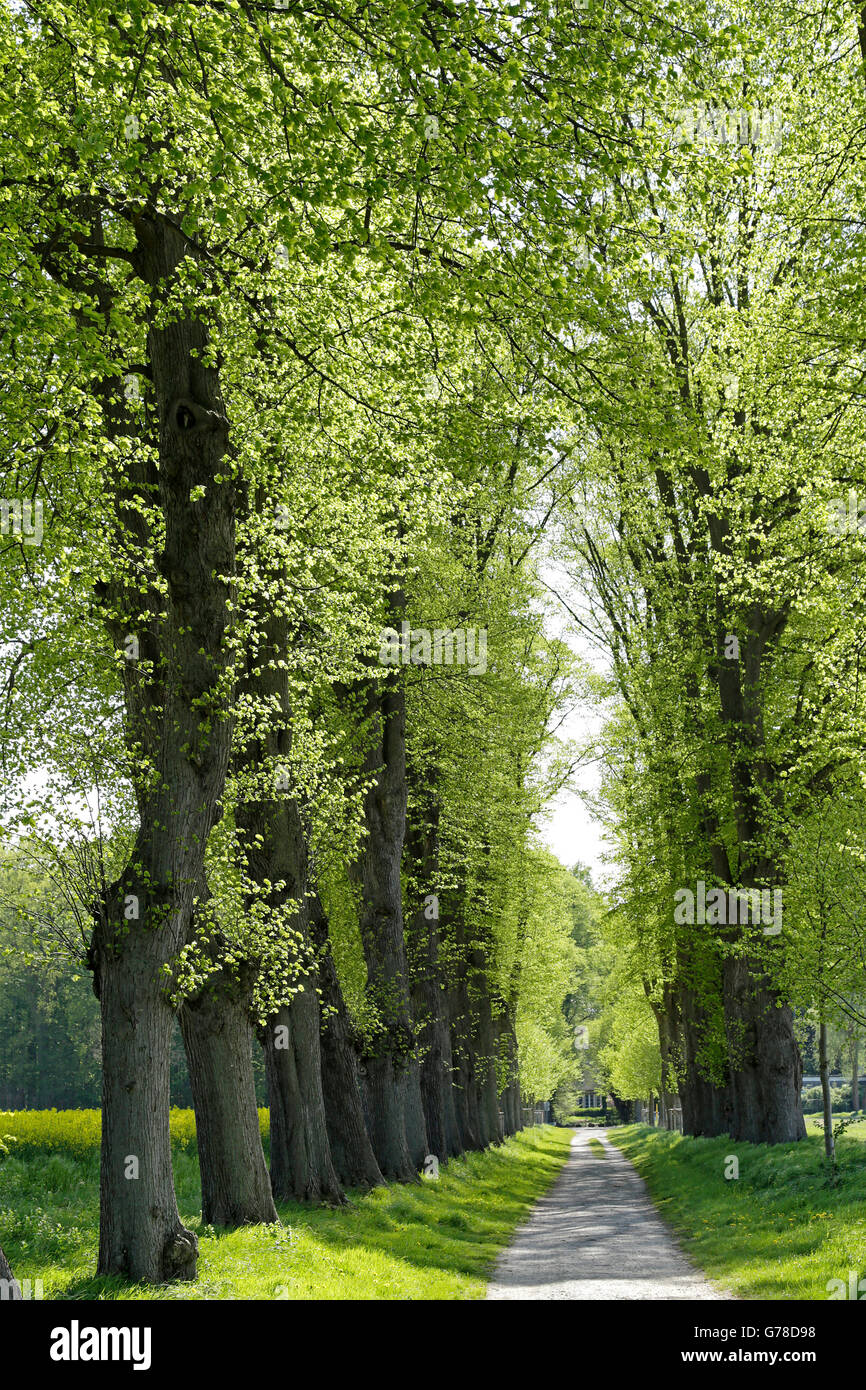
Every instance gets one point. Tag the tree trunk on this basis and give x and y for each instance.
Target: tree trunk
(487, 1055)
(218, 1038)
(766, 1070)
(176, 719)
(385, 1110)
(388, 1076)
(417, 1137)
(140, 1233)
(701, 1042)
(624, 1109)
(429, 997)
(512, 1103)
(765, 1067)
(511, 1095)
(437, 1087)
(464, 1024)
(463, 1053)
(692, 1084)
(855, 1074)
(668, 1021)
(301, 1162)
(827, 1106)
(468, 1074)
(351, 1149)
(273, 842)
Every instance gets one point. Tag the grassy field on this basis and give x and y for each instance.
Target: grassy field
(780, 1230)
(434, 1240)
(856, 1130)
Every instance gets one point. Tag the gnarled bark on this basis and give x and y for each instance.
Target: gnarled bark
(766, 1070)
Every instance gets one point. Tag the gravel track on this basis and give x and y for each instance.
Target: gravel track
(597, 1235)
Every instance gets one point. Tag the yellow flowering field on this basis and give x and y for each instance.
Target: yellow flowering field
(78, 1132)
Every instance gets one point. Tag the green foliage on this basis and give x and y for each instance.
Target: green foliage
(631, 1055)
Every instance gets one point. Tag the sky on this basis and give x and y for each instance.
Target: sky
(570, 831)
(574, 836)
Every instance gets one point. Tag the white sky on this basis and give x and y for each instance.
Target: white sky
(573, 835)
(570, 831)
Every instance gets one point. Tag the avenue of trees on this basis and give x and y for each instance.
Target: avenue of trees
(331, 336)
(714, 538)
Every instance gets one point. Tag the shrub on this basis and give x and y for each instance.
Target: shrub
(840, 1097)
(589, 1119)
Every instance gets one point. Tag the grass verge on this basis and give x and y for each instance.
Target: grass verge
(857, 1130)
(783, 1229)
(430, 1240)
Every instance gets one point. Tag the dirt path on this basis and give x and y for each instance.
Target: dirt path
(596, 1235)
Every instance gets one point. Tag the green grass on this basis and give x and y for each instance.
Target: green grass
(430, 1240)
(781, 1230)
(597, 1147)
(855, 1131)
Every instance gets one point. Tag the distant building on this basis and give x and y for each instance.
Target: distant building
(836, 1079)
